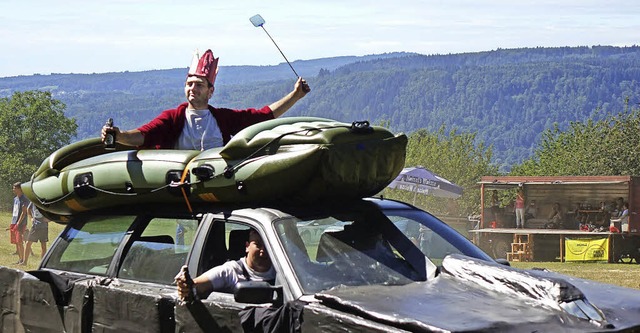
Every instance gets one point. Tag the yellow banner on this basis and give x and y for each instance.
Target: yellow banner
(586, 249)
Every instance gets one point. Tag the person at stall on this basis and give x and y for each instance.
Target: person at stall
(622, 220)
(619, 207)
(519, 208)
(555, 217)
(579, 218)
(532, 210)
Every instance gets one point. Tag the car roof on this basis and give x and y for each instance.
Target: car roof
(273, 210)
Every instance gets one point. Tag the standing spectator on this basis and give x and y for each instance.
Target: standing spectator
(39, 232)
(18, 221)
(180, 234)
(424, 240)
(519, 206)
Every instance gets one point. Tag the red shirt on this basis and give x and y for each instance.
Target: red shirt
(164, 130)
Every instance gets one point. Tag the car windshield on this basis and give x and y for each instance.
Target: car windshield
(366, 247)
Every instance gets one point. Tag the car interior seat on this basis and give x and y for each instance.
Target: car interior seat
(354, 237)
(163, 239)
(152, 258)
(324, 247)
(237, 243)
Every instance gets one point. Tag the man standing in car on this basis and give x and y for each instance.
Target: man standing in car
(197, 125)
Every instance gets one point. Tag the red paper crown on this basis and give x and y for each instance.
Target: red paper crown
(206, 66)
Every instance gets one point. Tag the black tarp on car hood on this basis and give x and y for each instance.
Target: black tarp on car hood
(478, 296)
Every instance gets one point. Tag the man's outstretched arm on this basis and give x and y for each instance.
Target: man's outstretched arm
(300, 89)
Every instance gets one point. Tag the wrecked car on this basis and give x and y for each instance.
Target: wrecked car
(368, 271)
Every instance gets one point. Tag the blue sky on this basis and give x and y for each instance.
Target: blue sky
(84, 36)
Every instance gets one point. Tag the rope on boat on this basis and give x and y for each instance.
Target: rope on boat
(231, 169)
(185, 172)
(172, 184)
(52, 202)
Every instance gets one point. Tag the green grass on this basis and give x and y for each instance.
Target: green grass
(622, 274)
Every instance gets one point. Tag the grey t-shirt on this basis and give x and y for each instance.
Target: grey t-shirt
(223, 278)
(200, 131)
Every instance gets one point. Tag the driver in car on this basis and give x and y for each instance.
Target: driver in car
(255, 266)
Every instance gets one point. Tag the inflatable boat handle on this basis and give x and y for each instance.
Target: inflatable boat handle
(204, 172)
(361, 127)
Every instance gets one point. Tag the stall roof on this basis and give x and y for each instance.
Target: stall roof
(511, 181)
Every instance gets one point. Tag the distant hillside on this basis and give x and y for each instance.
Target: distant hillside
(507, 96)
(174, 78)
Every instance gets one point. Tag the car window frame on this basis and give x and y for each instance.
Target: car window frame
(204, 234)
(136, 235)
(79, 224)
(133, 233)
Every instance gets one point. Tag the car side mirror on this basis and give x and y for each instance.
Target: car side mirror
(257, 292)
(503, 261)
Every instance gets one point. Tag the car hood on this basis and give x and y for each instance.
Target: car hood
(474, 295)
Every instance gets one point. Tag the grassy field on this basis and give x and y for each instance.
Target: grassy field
(621, 274)
(7, 258)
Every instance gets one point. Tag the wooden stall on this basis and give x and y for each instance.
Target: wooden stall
(576, 196)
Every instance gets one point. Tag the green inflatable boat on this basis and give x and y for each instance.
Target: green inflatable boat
(298, 159)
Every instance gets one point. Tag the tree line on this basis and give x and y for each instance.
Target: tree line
(33, 125)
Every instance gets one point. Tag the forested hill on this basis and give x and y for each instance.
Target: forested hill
(507, 96)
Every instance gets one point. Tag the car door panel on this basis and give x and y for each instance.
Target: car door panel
(37, 297)
(10, 299)
(219, 314)
(132, 308)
